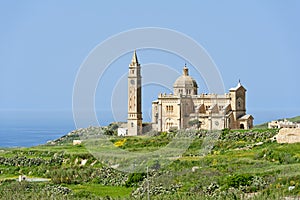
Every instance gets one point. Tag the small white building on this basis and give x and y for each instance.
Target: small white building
(283, 124)
(123, 129)
(77, 142)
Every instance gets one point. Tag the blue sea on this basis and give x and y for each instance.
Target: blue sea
(26, 137)
(31, 128)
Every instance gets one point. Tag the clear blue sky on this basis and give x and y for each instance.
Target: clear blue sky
(43, 43)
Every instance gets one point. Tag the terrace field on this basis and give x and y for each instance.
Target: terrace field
(240, 164)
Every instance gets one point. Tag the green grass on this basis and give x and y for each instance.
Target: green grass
(261, 126)
(68, 148)
(294, 119)
(100, 190)
(235, 154)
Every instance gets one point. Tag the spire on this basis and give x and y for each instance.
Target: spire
(134, 59)
(239, 84)
(185, 70)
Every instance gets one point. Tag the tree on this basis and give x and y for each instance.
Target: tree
(195, 122)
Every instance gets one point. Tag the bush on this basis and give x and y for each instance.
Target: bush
(281, 157)
(134, 179)
(238, 180)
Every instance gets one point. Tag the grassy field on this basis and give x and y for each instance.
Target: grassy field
(85, 190)
(241, 164)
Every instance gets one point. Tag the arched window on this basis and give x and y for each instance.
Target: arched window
(169, 108)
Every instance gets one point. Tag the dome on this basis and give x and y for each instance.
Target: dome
(185, 81)
(185, 84)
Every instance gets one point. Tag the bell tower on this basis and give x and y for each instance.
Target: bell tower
(134, 121)
(238, 100)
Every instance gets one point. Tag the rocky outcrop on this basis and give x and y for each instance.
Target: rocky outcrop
(288, 135)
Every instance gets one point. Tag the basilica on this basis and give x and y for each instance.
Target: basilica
(185, 108)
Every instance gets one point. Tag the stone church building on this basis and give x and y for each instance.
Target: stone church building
(185, 108)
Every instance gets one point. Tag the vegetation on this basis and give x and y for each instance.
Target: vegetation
(241, 164)
(294, 119)
(261, 126)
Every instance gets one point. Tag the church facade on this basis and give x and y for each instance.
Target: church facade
(185, 108)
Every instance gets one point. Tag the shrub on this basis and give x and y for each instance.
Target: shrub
(134, 179)
(238, 180)
(281, 157)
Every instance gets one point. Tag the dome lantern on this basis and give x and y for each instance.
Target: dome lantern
(185, 84)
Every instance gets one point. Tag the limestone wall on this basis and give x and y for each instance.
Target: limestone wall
(288, 135)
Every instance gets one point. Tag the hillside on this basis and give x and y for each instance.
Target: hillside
(265, 125)
(295, 119)
(240, 164)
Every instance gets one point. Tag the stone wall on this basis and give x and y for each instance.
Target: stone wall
(288, 135)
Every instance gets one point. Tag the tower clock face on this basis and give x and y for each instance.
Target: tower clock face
(132, 82)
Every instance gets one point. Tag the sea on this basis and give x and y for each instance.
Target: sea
(27, 137)
(32, 128)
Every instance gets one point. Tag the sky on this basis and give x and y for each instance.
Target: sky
(44, 43)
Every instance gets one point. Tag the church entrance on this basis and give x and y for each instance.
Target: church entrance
(242, 126)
